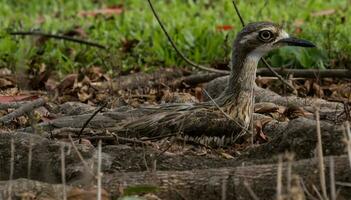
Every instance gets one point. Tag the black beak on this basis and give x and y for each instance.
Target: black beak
(291, 41)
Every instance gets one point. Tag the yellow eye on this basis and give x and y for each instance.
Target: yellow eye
(265, 36)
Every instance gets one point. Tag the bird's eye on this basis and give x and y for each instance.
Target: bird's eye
(265, 36)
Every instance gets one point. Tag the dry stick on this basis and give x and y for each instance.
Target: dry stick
(332, 178)
(12, 167)
(90, 118)
(290, 158)
(279, 178)
(348, 140)
(251, 192)
(224, 189)
(60, 37)
(63, 172)
(306, 190)
(25, 108)
(343, 184)
(317, 192)
(29, 157)
(176, 48)
(320, 156)
(307, 73)
(264, 60)
(99, 174)
(80, 156)
(15, 105)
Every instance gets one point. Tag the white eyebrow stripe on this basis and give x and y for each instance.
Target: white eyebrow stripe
(248, 37)
(271, 28)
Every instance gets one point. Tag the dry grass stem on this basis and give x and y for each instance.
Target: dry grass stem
(224, 189)
(12, 168)
(290, 158)
(63, 172)
(80, 156)
(250, 191)
(99, 174)
(343, 184)
(348, 140)
(280, 178)
(317, 192)
(320, 156)
(332, 178)
(29, 167)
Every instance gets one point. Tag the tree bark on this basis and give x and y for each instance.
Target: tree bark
(216, 183)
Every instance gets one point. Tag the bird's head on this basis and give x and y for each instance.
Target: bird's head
(258, 38)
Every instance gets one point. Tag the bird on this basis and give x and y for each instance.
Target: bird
(221, 120)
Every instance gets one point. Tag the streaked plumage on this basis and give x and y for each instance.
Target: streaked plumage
(205, 119)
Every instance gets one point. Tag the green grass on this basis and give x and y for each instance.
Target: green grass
(192, 26)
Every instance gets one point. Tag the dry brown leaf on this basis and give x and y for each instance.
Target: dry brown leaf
(113, 10)
(226, 156)
(5, 83)
(265, 107)
(295, 112)
(67, 83)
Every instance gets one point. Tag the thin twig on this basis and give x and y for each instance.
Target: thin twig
(320, 156)
(29, 167)
(63, 172)
(224, 189)
(12, 167)
(251, 192)
(264, 60)
(238, 13)
(279, 178)
(332, 178)
(60, 37)
(80, 156)
(90, 118)
(290, 158)
(176, 48)
(317, 192)
(348, 140)
(343, 184)
(224, 113)
(303, 185)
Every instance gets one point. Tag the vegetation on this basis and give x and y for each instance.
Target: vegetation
(202, 29)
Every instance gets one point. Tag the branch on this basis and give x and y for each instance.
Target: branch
(60, 37)
(264, 60)
(25, 108)
(90, 118)
(178, 51)
(307, 73)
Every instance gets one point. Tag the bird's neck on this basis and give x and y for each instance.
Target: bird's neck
(237, 99)
(242, 77)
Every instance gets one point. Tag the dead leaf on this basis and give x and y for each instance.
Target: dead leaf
(67, 83)
(294, 112)
(224, 27)
(77, 31)
(226, 156)
(259, 126)
(7, 99)
(5, 83)
(265, 107)
(109, 11)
